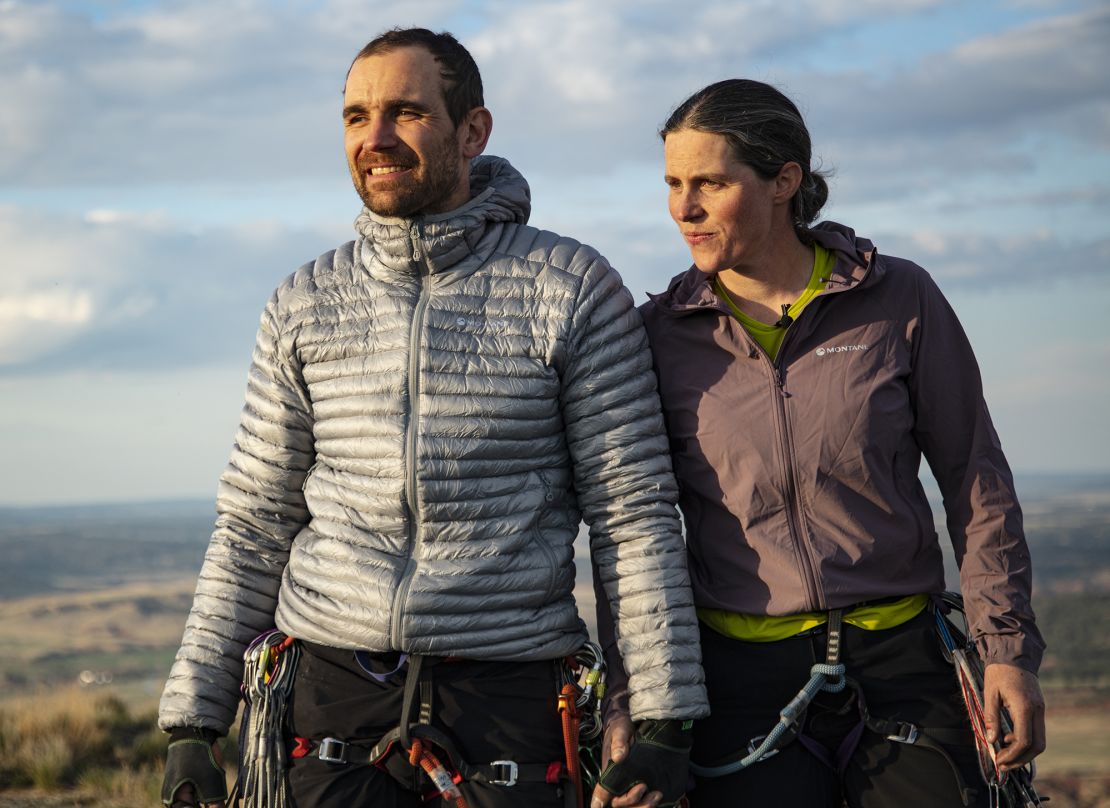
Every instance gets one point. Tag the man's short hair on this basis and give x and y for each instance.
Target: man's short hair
(462, 83)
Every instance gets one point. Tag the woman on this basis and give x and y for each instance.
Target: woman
(803, 375)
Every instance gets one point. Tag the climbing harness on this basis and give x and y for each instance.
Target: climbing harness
(1007, 790)
(827, 677)
(269, 664)
(1012, 789)
(414, 746)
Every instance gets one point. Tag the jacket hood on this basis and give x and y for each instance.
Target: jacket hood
(499, 195)
(690, 290)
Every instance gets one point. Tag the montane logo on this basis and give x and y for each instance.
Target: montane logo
(841, 349)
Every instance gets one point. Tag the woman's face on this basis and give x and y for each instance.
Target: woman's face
(724, 210)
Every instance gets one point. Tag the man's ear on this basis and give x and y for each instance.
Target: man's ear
(474, 132)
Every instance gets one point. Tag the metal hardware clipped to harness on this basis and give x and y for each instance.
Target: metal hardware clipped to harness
(907, 733)
(1012, 789)
(268, 667)
(583, 688)
(506, 778)
(756, 742)
(332, 750)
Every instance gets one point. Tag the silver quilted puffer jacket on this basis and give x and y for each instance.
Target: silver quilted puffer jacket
(431, 410)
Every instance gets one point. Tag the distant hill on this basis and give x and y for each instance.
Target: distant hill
(142, 559)
(88, 547)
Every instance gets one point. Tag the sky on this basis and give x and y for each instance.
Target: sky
(163, 165)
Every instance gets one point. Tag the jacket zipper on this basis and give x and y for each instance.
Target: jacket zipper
(795, 515)
(795, 518)
(537, 536)
(411, 431)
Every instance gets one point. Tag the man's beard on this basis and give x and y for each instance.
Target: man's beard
(429, 184)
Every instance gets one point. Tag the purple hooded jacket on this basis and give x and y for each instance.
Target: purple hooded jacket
(799, 477)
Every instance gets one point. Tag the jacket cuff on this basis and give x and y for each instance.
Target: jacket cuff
(193, 733)
(1020, 650)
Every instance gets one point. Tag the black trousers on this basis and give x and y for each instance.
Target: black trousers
(492, 710)
(903, 676)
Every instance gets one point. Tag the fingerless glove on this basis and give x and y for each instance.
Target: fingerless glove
(659, 757)
(190, 759)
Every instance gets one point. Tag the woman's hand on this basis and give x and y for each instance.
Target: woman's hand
(1019, 692)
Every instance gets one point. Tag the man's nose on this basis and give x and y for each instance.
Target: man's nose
(380, 134)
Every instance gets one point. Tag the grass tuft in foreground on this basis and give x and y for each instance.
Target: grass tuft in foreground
(71, 738)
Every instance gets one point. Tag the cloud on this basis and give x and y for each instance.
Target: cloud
(246, 93)
(116, 290)
(592, 82)
(963, 260)
(1094, 197)
(987, 108)
(1043, 72)
(176, 92)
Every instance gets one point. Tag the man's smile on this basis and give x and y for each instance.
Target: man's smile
(381, 171)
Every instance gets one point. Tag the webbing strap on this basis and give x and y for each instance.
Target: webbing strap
(832, 642)
(412, 681)
(498, 772)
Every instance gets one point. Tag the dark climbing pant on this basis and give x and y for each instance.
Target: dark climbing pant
(493, 710)
(903, 676)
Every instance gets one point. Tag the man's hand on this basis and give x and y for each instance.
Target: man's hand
(657, 753)
(194, 762)
(187, 795)
(614, 746)
(1020, 693)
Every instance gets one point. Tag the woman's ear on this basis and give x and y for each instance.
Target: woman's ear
(787, 182)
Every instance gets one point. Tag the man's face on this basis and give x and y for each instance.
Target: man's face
(404, 152)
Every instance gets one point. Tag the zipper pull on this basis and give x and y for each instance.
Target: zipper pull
(780, 383)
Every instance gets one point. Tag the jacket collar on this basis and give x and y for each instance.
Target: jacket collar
(441, 241)
(691, 290)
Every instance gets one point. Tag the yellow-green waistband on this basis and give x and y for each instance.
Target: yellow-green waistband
(766, 628)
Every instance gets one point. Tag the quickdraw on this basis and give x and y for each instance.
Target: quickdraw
(268, 667)
(1013, 789)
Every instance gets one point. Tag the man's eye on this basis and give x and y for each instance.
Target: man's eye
(355, 119)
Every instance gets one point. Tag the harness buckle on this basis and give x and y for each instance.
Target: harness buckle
(907, 733)
(508, 769)
(332, 750)
(755, 743)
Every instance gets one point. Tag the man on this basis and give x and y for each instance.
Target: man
(431, 409)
